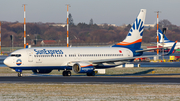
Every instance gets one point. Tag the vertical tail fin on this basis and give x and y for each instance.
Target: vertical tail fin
(160, 35)
(134, 37)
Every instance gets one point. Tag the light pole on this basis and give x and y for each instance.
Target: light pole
(68, 24)
(157, 33)
(24, 25)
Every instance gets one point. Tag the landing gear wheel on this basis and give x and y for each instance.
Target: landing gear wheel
(91, 74)
(66, 73)
(20, 74)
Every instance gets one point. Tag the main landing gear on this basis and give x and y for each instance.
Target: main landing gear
(66, 73)
(91, 74)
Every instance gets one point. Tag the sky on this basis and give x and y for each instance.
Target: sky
(117, 12)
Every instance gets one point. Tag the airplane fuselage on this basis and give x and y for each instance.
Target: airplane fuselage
(169, 44)
(58, 58)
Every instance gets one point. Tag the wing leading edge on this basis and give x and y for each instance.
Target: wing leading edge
(129, 58)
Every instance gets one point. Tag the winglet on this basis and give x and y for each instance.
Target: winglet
(170, 52)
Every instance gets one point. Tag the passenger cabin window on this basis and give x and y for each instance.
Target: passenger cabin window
(15, 55)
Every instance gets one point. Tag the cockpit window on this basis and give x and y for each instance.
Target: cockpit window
(15, 55)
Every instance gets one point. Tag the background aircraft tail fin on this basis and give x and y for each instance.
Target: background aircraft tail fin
(160, 36)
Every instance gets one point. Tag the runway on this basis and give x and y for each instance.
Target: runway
(91, 80)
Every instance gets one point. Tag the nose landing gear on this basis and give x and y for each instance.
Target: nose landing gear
(19, 74)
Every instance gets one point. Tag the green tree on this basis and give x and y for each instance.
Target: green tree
(70, 19)
(91, 22)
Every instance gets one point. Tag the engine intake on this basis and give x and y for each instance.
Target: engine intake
(82, 67)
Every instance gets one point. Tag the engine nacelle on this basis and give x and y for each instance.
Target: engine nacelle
(82, 67)
(41, 71)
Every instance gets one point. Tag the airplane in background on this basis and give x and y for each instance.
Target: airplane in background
(167, 42)
(81, 59)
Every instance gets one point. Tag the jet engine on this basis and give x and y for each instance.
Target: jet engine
(82, 67)
(41, 71)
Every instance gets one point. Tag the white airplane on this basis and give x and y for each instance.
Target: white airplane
(80, 60)
(167, 42)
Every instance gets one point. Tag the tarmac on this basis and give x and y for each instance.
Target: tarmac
(91, 80)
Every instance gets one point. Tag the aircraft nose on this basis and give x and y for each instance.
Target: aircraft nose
(6, 61)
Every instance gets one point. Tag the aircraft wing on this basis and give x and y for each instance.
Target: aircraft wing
(156, 48)
(144, 50)
(127, 59)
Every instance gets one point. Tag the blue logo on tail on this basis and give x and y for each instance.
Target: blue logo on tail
(137, 30)
(134, 37)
